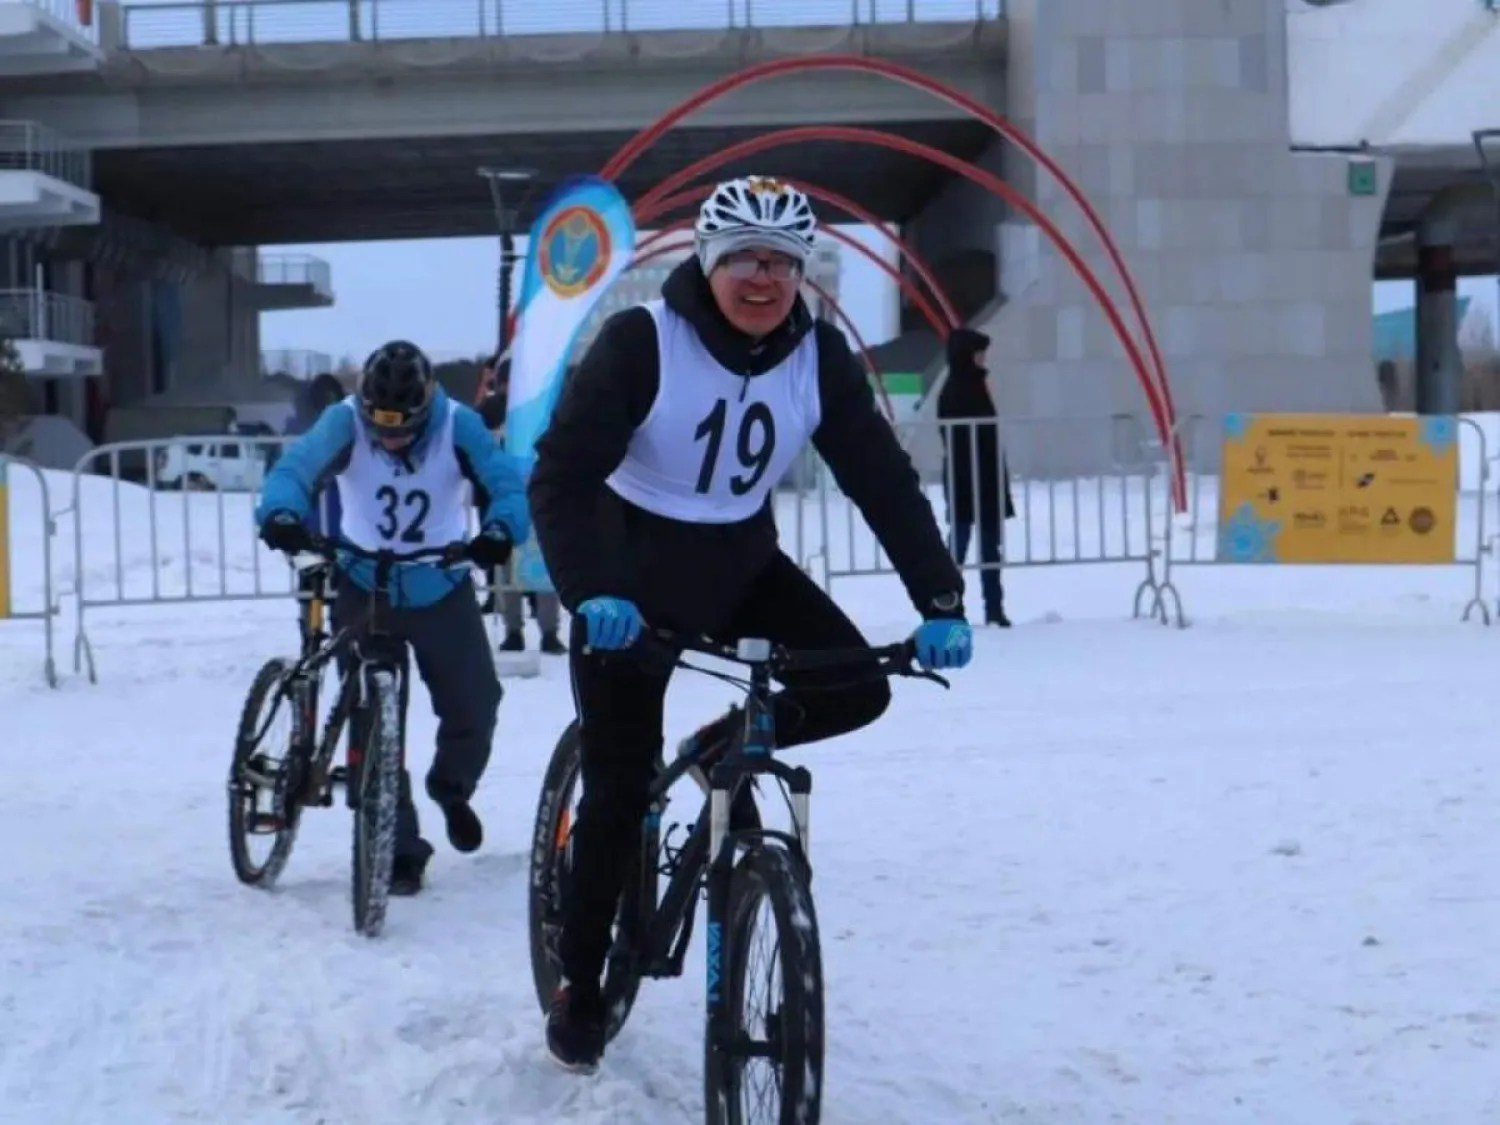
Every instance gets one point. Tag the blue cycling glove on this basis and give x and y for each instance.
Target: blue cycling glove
(611, 623)
(944, 642)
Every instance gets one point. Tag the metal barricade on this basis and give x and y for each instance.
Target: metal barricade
(1063, 514)
(161, 522)
(1201, 537)
(171, 522)
(9, 610)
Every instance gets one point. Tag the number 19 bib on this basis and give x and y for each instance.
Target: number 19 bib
(388, 506)
(715, 443)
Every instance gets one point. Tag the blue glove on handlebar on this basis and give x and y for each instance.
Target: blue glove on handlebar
(611, 623)
(944, 642)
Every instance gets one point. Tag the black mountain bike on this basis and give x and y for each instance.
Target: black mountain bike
(301, 772)
(739, 864)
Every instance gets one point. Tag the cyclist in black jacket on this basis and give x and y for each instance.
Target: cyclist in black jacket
(652, 502)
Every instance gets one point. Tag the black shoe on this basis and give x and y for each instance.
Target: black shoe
(513, 642)
(552, 646)
(576, 1028)
(465, 829)
(997, 618)
(407, 875)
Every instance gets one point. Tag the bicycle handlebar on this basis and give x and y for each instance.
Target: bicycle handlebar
(327, 550)
(899, 659)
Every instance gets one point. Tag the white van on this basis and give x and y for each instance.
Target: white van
(214, 463)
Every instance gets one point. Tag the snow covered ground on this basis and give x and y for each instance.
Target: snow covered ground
(1239, 873)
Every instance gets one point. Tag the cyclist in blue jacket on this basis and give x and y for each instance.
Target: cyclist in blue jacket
(401, 454)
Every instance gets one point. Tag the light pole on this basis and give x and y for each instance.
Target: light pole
(509, 188)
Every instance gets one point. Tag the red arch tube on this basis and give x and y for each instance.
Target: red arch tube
(986, 180)
(632, 149)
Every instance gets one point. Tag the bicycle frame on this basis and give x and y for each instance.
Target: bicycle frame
(707, 859)
(378, 650)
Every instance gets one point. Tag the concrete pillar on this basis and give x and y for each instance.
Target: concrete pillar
(1439, 369)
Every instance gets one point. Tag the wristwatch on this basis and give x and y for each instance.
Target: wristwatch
(948, 603)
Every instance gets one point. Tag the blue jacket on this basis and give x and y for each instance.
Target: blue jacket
(326, 505)
(312, 461)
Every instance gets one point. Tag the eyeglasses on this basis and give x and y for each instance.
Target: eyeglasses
(742, 267)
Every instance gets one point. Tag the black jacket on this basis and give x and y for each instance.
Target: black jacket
(965, 398)
(689, 576)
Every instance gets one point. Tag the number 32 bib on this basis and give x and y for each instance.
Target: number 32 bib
(390, 507)
(714, 444)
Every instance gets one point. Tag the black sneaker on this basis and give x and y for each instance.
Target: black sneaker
(465, 829)
(513, 642)
(407, 875)
(576, 1025)
(997, 617)
(552, 646)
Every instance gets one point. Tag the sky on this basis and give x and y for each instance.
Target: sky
(441, 295)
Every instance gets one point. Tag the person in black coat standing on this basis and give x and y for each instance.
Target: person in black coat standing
(975, 478)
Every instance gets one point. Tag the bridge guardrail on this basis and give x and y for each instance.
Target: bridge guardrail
(229, 23)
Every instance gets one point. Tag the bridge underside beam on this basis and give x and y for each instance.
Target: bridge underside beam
(421, 188)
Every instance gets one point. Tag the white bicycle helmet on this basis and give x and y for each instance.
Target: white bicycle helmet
(756, 211)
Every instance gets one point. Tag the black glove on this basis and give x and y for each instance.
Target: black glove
(284, 531)
(491, 548)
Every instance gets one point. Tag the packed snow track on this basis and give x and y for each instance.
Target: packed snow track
(1238, 874)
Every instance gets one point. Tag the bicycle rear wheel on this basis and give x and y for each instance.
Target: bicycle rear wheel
(378, 781)
(264, 779)
(551, 860)
(771, 1073)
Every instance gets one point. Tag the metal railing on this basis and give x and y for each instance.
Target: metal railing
(32, 147)
(295, 269)
(151, 528)
(1055, 521)
(49, 608)
(227, 23)
(34, 314)
(300, 363)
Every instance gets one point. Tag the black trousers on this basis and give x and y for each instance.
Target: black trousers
(619, 701)
(453, 658)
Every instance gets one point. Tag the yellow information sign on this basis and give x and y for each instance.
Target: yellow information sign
(4, 543)
(1335, 488)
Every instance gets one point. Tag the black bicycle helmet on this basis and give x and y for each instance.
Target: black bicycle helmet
(396, 389)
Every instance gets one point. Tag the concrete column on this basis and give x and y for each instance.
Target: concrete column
(1439, 373)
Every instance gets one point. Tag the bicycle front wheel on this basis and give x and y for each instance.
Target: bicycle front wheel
(264, 776)
(771, 1071)
(378, 780)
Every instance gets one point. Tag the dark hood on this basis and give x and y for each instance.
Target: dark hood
(965, 393)
(964, 344)
(687, 294)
